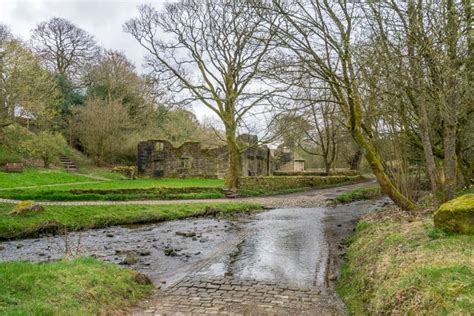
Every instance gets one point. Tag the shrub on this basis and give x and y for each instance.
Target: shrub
(8, 157)
(46, 146)
(456, 215)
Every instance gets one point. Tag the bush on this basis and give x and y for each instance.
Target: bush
(456, 215)
(45, 146)
(8, 157)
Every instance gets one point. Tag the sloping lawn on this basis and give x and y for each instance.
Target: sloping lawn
(57, 218)
(36, 184)
(34, 177)
(405, 266)
(82, 286)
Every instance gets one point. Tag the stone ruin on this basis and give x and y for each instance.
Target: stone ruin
(159, 158)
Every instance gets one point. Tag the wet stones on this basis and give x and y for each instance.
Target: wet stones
(170, 252)
(144, 253)
(142, 279)
(130, 259)
(186, 234)
(2, 248)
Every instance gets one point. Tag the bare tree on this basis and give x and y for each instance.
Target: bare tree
(322, 139)
(425, 51)
(64, 47)
(322, 34)
(211, 52)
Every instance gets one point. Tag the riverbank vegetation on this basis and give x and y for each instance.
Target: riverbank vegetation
(83, 286)
(57, 219)
(359, 194)
(400, 263)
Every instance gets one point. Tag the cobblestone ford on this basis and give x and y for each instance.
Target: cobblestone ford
(226, 296)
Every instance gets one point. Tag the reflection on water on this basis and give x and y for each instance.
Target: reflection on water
(286, 245)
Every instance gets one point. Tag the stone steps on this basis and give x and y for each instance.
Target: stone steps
(68, 164)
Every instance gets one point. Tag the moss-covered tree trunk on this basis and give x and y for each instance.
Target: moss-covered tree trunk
(375, 162)
(234, 169)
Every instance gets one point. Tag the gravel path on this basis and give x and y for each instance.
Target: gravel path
(299, 199)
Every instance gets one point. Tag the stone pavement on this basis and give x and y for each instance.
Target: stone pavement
(227, 296)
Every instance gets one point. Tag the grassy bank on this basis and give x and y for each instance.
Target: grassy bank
(36, 177)
(57, 218)
(82, 286)
(126, 194)
(42, 185)
(359, 194)
(400, 264)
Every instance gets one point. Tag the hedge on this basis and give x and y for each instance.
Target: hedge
(337, 172)
(280, 183)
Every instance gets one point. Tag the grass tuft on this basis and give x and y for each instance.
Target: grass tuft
(359, 194)
(83, 286)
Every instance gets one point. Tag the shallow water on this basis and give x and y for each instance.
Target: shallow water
(287, 245)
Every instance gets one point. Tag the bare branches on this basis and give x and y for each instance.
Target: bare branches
(64, 47)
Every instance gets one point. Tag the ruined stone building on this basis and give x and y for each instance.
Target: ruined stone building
(159, 158)
(288, 160)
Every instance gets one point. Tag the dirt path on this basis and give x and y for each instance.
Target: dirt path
(300, 199)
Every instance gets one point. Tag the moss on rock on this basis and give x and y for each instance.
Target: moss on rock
(456, 215)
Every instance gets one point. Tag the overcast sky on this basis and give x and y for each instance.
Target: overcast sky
(101, 18)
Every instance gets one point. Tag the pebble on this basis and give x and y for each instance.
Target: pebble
(144, 253)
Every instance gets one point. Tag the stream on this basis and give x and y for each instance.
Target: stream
(288, 245)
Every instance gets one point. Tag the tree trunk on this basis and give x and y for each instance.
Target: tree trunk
(327, 167)
(383, 179)
(449, 161)
(235, 166)
(356, 159)
(429, 156)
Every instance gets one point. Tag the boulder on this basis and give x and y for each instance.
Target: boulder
(14, 167)
(457, 215)
(26, 207)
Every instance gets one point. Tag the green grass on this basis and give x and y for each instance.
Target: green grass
(36, 177)
(408, 267)
(57, 218)
(160, 193)
(55, 185)
(83, 286)
(359, 194)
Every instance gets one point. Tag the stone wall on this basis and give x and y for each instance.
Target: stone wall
(159, 158)
(281, 183)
